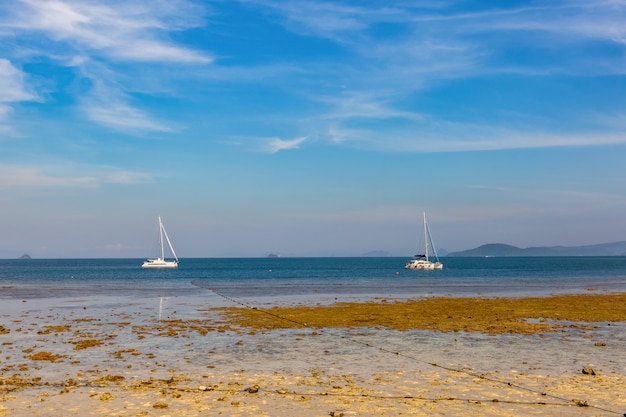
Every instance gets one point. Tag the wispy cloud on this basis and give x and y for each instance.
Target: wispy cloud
(119, 247)
(324, 19)
(116, 113)
(90, 34)
(125, 30)
(13, 89)
(436, 34)
(4, 128)
(4, 113)
(123, 117)
(600, 20)
(432, 136)
(386, 56)
(67, 176)
(13, 84)
(106, 102)
(274, 145)
(367, 105)
(432, 21)
(435, 43)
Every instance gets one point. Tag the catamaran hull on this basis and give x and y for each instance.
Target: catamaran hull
(422, 261)
(425, 265)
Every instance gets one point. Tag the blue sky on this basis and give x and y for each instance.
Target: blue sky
(309, 128)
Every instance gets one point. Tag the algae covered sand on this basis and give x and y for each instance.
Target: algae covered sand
(124, 356)
(489, 315)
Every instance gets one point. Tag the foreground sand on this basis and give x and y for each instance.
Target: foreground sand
(440, 356)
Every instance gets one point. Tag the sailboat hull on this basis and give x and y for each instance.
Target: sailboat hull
(159, 263)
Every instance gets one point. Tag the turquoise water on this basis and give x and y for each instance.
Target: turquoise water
(312, 277)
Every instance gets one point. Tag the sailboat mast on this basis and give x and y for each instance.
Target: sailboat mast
(425, 236)
(161, 238)
(170, 244)
(160, 261)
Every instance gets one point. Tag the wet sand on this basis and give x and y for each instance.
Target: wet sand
(123, 356)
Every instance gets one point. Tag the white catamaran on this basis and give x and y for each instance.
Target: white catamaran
(160, 262)
(422, 261)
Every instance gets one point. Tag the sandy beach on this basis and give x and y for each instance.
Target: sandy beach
(198, 356)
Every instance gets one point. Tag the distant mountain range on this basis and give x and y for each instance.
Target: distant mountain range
(501, 249)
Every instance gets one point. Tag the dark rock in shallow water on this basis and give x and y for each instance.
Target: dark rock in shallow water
(588, 371)
(253, 389)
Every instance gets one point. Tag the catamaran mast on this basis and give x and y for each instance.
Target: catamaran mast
(430, 239)
(425, 236)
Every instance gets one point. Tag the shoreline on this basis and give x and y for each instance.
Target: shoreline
(188, 355)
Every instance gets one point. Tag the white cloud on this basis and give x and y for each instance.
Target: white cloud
(324, 19)
(93, 36)
(149, 50)
(439, 44)
(127, 30)
(13, 89)
(432, 136)
(119, 247)
(106, 102)
(601, 20)
(4, 112)
(367, 105)
(275, 144)
(437, 40)
(12, 84)
(67, 176)
(121, 116)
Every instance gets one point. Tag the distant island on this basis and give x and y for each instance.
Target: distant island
(501, 249)
(376, 254)
(25, 256)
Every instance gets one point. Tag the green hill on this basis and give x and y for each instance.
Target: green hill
(501, 249)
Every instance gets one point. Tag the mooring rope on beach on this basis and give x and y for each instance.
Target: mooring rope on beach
(162, 385)
(565, 401)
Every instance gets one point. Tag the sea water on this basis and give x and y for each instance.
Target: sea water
(312, 279)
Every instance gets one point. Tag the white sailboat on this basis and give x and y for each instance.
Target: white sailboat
(160, 262)
(422, 261)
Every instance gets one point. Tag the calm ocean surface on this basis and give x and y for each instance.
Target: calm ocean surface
(312, 278)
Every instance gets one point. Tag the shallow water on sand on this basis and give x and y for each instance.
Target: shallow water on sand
(132, 347)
